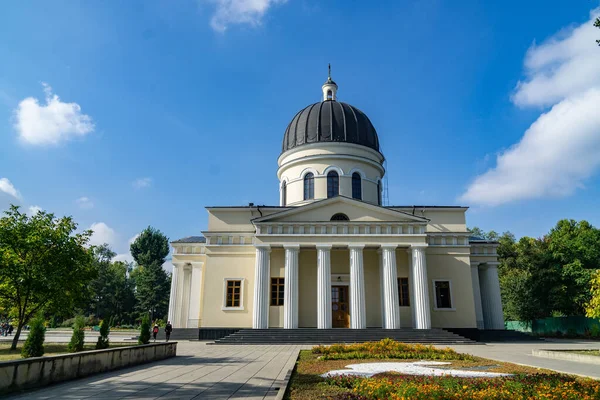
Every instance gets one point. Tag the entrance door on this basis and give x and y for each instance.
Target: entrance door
(340, 311)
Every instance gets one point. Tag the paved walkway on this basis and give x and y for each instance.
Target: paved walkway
(199, 371)
(520, 353)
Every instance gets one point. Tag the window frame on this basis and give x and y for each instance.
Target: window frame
(309, 179)
(334, 176)
(379, 194)
(435, 303)
(407, 289)
(224, 307)
(356, 179)
(280, 300)
(284, 193)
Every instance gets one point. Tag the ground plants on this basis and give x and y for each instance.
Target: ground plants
(102, 342)
(78, 337)
(34, 345)
(387, 349)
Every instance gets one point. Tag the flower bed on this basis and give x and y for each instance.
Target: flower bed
(310, 380)
(537, 386)
(387, 349)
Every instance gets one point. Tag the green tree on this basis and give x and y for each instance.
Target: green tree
(144, 330)
(592, 309)
(78, 337)
(102, 342)
(44, 264)
(34, 345)
(149, 251)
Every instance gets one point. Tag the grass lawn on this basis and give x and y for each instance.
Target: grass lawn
(587, 352)
(50, 349)
(525, 383)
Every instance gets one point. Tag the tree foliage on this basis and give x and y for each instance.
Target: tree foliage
(44, 265)
(78, 337)
(113, 291)
(149, 251)
(597, 25)
(34, 345)
(592, 309)
(549, 275)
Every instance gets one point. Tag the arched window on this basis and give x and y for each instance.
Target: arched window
(340, 217)
(379, 192)
(283, 193)
(329, 95)
(333, 184)
(309, 186)
(356, 186)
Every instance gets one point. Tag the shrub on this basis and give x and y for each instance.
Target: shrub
(34, 345)
(67, 323)
(595, 331)
(102, 342)
(144, 330)
(78, 338)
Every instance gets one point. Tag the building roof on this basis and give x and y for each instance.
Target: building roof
(330, 121)
(191, 239)
(477, 239)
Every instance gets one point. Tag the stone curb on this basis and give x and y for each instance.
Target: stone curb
(284, 383)
(568, 355)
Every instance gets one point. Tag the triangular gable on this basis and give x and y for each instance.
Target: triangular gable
(356, 210)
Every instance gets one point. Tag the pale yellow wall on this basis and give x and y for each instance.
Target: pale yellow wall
(307, 287)
(450, 220)
(453, 265)
(227, 220)
(277, 271)
(217, 268)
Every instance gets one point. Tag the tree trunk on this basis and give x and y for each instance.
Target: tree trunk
(13, 346)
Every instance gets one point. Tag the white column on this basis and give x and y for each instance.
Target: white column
(324, 286)
(262, 273)
(381, 288)
(173, 294)
(194, 313)
(411, 289)
(390, 292)
(358, 317)
(178, 323)
(491, 300)
(290, 290)
(477, 294)
(421, 288)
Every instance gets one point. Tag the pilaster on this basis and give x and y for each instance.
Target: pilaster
(491, 300)
(477, 294)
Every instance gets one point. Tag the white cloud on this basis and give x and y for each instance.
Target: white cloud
(7, 187)
(126, 257)
(34, 210)
(141, 183)
(84, 203)
(130, 242)
(102, 234)
(52, 122)
(168, 266)
(562, 148)
(230, 12)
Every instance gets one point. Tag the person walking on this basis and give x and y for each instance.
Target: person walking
(168, 330)
(155, 331)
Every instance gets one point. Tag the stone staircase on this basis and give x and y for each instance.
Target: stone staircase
(329, 336)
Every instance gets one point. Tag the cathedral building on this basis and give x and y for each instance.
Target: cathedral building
(331, 255)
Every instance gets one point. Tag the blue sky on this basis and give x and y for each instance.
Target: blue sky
(129, 114)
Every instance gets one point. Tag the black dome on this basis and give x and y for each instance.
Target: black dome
(330, 121)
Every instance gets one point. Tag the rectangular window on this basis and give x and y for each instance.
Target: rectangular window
(277, 290)
(442, 294)
(234, 293)
(403, 292)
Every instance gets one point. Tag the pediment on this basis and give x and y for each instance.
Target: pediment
(357, 211)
